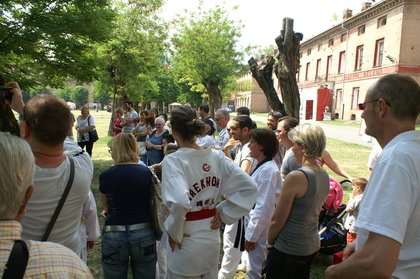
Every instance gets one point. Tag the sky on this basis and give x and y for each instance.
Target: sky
(262, 19)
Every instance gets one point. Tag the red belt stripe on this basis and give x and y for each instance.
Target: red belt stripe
(201, 214)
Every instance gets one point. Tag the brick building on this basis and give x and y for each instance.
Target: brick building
(339, 64)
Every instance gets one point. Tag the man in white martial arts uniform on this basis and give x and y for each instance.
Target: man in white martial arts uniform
(234, 234)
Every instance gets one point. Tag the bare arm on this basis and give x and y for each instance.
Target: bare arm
(329, 161)
(104, 203)
(17, 100)
(376, 259)
(246, 166)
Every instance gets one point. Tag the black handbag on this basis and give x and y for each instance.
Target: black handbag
(159, 210)
(93, 134)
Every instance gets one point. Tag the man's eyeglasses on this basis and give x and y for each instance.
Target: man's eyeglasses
(362, 106)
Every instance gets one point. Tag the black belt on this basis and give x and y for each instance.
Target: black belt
(126, 228)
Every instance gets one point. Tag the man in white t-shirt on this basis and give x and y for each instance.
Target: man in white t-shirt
(44, 124)
(388, 226)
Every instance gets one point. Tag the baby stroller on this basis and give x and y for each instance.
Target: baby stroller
(332, 232)
(330, 225)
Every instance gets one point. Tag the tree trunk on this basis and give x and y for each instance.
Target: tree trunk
(215, 96)
(262, 72)
(288, 44)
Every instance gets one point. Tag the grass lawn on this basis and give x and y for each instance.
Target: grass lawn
(350, 157)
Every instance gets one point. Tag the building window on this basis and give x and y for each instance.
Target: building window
(355, 97)
(308, 52)
(330, 42)
(359, 58)
(319, 47)
(381, 21)
(379, 52)
(341, 60)
(329, 63)
(343, 37)
(318, 65)
(338, 99)
(298, 73)
(361, 30)
(307, 70)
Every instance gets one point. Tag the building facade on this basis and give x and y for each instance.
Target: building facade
(381, 39)
(251, 95)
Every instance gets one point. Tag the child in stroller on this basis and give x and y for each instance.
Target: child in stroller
(330, 225)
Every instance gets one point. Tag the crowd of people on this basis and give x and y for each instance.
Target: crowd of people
(255, 192)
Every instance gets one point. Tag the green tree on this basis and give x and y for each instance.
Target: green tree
(80, 95)
(132, 59)
(66, 94)
(206, 52)
(47, 41)
(101, 93)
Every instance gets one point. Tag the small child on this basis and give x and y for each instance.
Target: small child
(358, 185)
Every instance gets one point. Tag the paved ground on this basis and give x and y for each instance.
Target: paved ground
(346, 134)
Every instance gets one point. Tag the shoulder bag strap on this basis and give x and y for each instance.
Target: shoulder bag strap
(61, 202)
(18, 259)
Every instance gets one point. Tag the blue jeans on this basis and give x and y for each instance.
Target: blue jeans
(282, 265)
(135, 248)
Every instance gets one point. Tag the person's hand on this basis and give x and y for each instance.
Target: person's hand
(148, 144)
(173, 244)
(249, 246)
(216, 221)
(17, 102)
(349, 250)
(231, 143)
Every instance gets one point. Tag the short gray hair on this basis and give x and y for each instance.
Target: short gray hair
(224, 112)
(17, 166)
(401, 93)
(312, 136)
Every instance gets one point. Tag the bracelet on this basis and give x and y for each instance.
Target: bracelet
(268, 245)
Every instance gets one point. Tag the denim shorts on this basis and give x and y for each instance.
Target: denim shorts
(136, 249)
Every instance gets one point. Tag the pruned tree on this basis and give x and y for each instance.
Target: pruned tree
(262, 72)
(288, 44)
(286, 68)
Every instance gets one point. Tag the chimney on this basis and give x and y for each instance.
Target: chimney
(347, 13)
(366, 5)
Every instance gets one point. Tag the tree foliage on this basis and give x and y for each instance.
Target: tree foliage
(46, 41)
(132, 59)
(80, 95)
(206, 51)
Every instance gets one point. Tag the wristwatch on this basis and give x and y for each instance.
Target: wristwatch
(268, 245)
